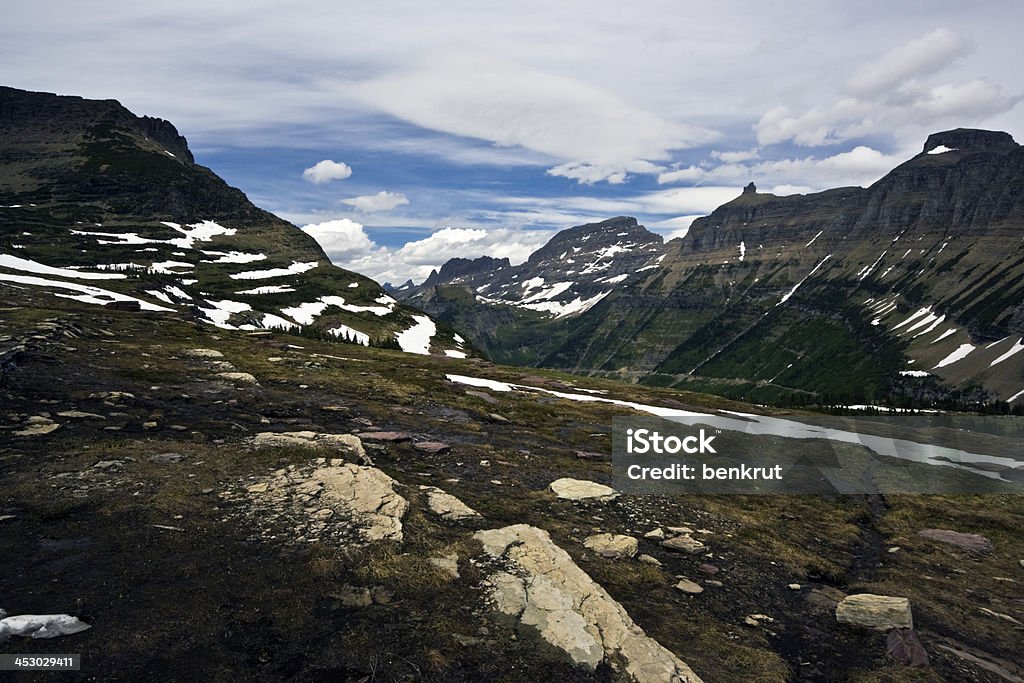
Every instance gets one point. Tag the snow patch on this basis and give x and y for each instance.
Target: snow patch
(791, 292)
(942, 149)
(294, 269)
(416, 339)
(1017, 348)
(958, 355)
(29, 266)
(89, 294)
(348, 334)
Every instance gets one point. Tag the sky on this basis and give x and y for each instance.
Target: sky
(401, 134)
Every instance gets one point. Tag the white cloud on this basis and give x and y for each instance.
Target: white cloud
(348, 245)
(325, 171)
(736, 156)
(476, 94)
(382, 201)
(920, 57)
(341, 238)
(892, 95)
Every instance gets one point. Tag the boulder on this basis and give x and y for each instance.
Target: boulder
(691, 587)
(203, 353)
(613, 546)
(581, 489)
(243, 377)
(432, 447)
(879, 612)
(393, 437)
(570, 610)
(368, 496)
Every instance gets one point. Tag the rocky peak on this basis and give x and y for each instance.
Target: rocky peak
(751, 188)
(968, 138)
(621, 231)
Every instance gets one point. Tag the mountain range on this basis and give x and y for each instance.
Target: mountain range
(909, 291)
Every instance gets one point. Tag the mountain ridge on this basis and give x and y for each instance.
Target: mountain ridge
(942, 231)
(88, 186)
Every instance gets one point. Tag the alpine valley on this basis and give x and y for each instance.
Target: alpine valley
(224, 458)
(908, 292)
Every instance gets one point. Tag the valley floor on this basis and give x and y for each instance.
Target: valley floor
(137, 496)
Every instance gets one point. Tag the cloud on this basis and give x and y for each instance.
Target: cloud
(348, 245)
(382, 201)
(341, 238)
(920, 57)
(475, 94)
(892, 94)
(325, 171)
(861, 165)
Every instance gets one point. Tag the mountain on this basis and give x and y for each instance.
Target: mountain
(110, 208)
(908, 291)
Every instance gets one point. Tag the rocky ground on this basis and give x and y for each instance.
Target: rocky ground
(225, 506)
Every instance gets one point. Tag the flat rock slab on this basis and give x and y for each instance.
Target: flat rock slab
(972, 542)
(432, 447)
(203, 353)
(391, 437)
(448, 507)
(307, 439)
(683, 544)
(243, 377)
(879, 612)
(613, 546)
(691, 587)
(570, 610)
(581, 489)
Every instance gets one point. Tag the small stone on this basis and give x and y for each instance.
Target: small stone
(713, 582)
(680, 530)
(258, 488)
(893, 549)
(149, 425)
(794, 586)
(687, 586)
(656, 534)
(499, 418)
(708, 569)
(353, 596)
(166, 458)
(448, 564)
(647, 559)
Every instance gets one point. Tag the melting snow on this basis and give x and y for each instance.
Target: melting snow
(416, 339)
(353, 285)
(294, 269)
(347, 333)
(1019, 346)
(234, 257)
(921, 311)
(791, 292)
(268, 289)
(270, 320)
(454, 354)
(549, 293)
(957, 355)
(944, 335)
(28, 266)
(942, 149)
(914, 373)
(618, 278)
(1015, 396)
(222, 310)
(304, 314)
(560, 310)
(89, 295)
(867, 271)
(814, 238)
(743, 250)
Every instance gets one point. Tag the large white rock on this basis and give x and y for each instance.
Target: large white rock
(40, 625)
(368, 496)
(580, 489)
(570, 610)
(880, 612)
(307, 439)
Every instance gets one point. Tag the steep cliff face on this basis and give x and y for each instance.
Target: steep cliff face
(807, 297)
(104, 206)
